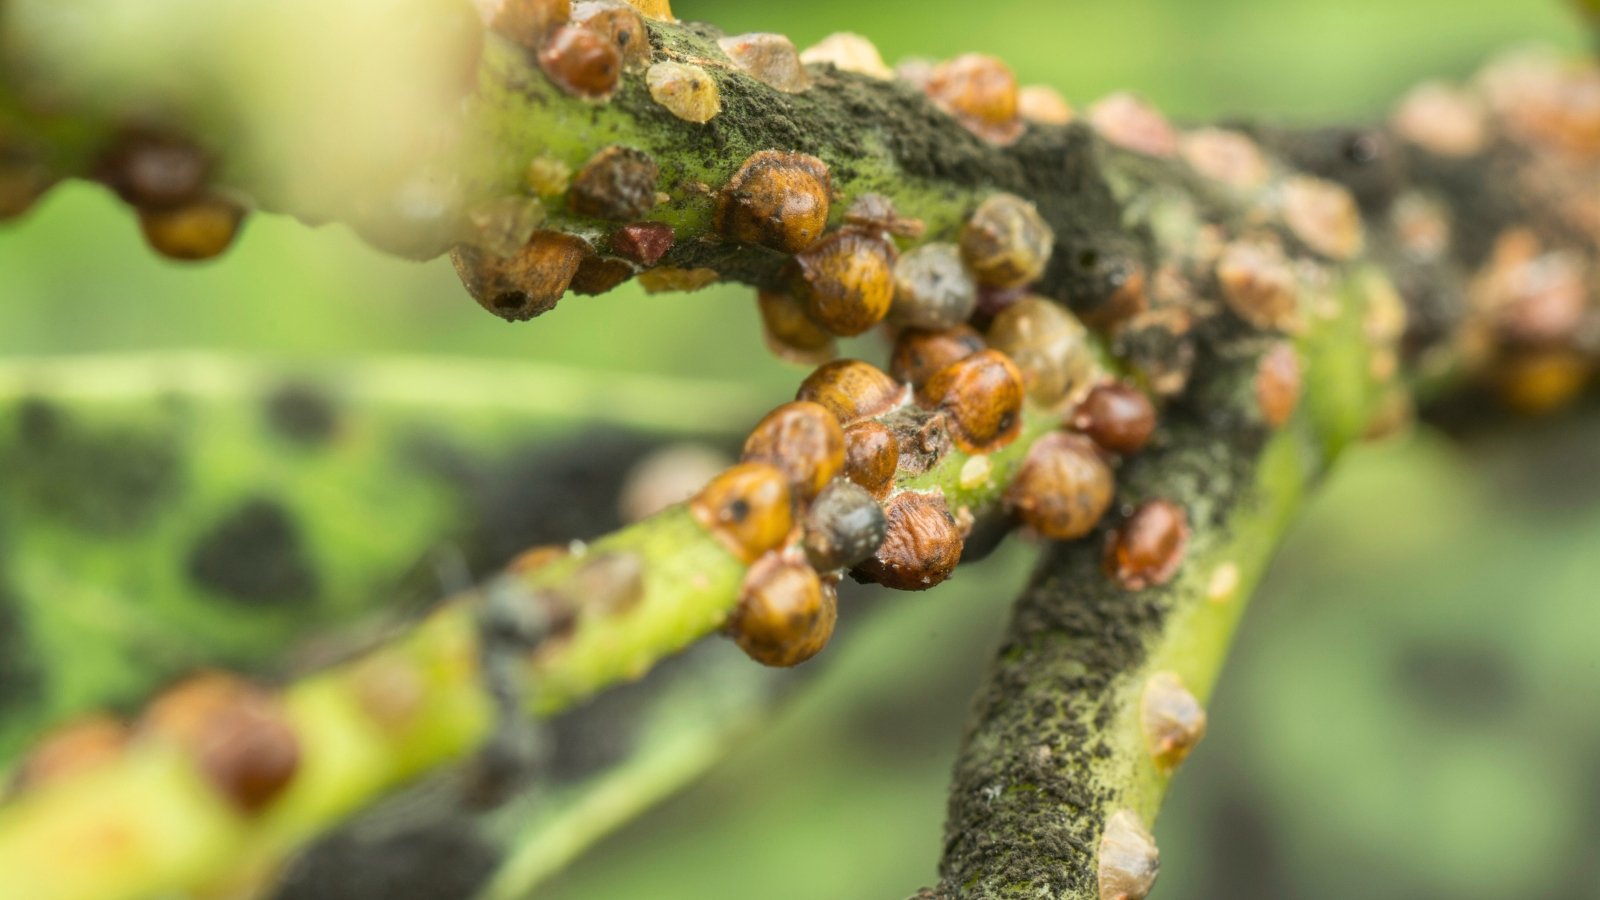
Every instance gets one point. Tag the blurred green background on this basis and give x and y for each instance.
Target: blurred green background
(1414, 706)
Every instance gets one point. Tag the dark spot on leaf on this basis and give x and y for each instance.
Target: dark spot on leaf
(303, 414)
(254, 556)
(102, 479)
(1457, 681)
(21, 677)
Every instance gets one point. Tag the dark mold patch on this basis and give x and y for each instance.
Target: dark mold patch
(1458, 682)
(1026, 812)
(22, 679)
(302, 414)
(254, 556)
(106, 480)
(440, 861)
(549, 492)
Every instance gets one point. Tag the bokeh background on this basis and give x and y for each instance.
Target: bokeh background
(1413, 709)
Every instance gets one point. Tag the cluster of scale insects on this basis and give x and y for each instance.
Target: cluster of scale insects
(819, 491)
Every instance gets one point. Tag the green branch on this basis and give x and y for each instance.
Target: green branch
(1217, 266)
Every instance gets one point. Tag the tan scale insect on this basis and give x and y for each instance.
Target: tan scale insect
(981, 93)
(848, 281)
(1278, 382)
(871, 457)
(747, 509)
(790, 332)
(687, 91)
(804, 441)
(1006, 242)
(848, 52)
(786, 612)
(621, 24)
(1128, 861)
(1129, 122)
(193, 232)
(918, 354)
(982, 395)
(1063, 489)
(768, 58)
(852, 390)
(522, 286)
(1049, 346)
(778, 200)
(238, 735)
(1172, 719)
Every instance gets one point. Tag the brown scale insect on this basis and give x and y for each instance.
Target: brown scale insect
(921, 547)
(932, 289)
(519, 287)
(778, 200)
(610, 583)
(502, 226)
(982, 397)
(547, 176)
(852, 390)
(1006, 242)
(1128, 861)
(659, 10)
(871, 457)
(790, 332)
(237, 733)
(1064, 487)
(848, 281)
(786, 612)
(848, 52)
(1043, 105)
(528, 22)
(1278, 383)
(747, 509)
(667, 477)
(643, 242)
(1323, 216)
(1226, 156)
(1442, 119)
(1118, 417)
(876, 213)
(535, 558)
(619, 23)
(768, 58)
(686, 91)
(1172, 719)
(600, 275)
(843, 527)
(1258, 284)
(804, 441)
(918, 354)
(1147, 549)
(981, 92)
(1132, 124)
(151, 170)
(618, 184)
(1049, 346)
(197, 231)
(70, 749)
(581, 62)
